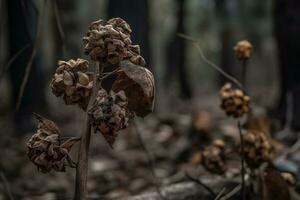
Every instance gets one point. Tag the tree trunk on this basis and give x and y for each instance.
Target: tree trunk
(287, 31)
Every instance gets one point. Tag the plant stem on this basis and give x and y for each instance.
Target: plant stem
(82, 166)
(242, 161)
(244, 73)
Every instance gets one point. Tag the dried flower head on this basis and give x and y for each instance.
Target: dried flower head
(233, 101)
(72, 81)
(243, 50)
(45, 150)
(109, 114)
(288, 177)
(257, 149)
(110, 42)
(213, 157)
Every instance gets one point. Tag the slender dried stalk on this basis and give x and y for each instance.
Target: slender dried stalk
(207, 61)
(231, 193)
(6, 186)
(242, 161)
(82, 166)
(31, 59)
(199, 182)
(244, 73)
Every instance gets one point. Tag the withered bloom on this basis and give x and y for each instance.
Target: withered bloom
(243, 50)
(257, 149)
(45, 150)
(72, 81)
(110, 42)
(213, 157)
(109, 114)
(233, 101)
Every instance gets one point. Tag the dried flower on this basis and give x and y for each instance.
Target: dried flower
(288, 177)
(73, 82)
(257, 149)
(45, 150)
(213, 157)
(110, 42)
(109, 114)
(243, 50)
(233, 101)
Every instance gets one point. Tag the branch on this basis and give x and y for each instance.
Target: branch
(31, 59)
(220, 193)
(150, 160)
(210, 63)
(231, 193)
(7, 66)
(199, 182)
(6, 186)
(59, 27)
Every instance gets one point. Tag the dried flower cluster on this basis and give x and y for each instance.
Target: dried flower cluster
(45, 150)
(213, 157)
(110, 42)
(72, 81)
(243, 50)
(288, 177)
(257, 149)
(109, 114)
(233, 101)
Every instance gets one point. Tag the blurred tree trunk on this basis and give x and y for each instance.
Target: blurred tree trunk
(287, 32)
(176, 54)
(227, 55)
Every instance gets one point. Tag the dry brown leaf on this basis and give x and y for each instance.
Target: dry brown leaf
(138, 84)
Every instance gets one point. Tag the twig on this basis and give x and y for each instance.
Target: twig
(150, 159)
(82, 168)
(110, 73)
(220, 194)
(210, 63)
(6, 186)
(231, 193)
(31, 59)
(199, 182)
(242, 161)
(59, 27)
(6, 67)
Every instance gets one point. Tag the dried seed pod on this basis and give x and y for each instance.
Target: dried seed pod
(213, 157)
(73, 82)
(243, 50)
(45, 150)
(233, 101)
(110, 42)
(109, 114)
(257, 149)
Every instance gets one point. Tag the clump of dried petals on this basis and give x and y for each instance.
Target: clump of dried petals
(45, 150)
(110, 42)
(213, 157)
(257, 149)
(109, 114)
(233, 101)
(72, 81)
(288, 177)
(243, 50)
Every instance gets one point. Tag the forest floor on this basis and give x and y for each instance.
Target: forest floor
(156, 151)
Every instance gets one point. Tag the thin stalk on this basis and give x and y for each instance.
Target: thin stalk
(244, 73)
(242, 161)
(82, 166)
(210, 63)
